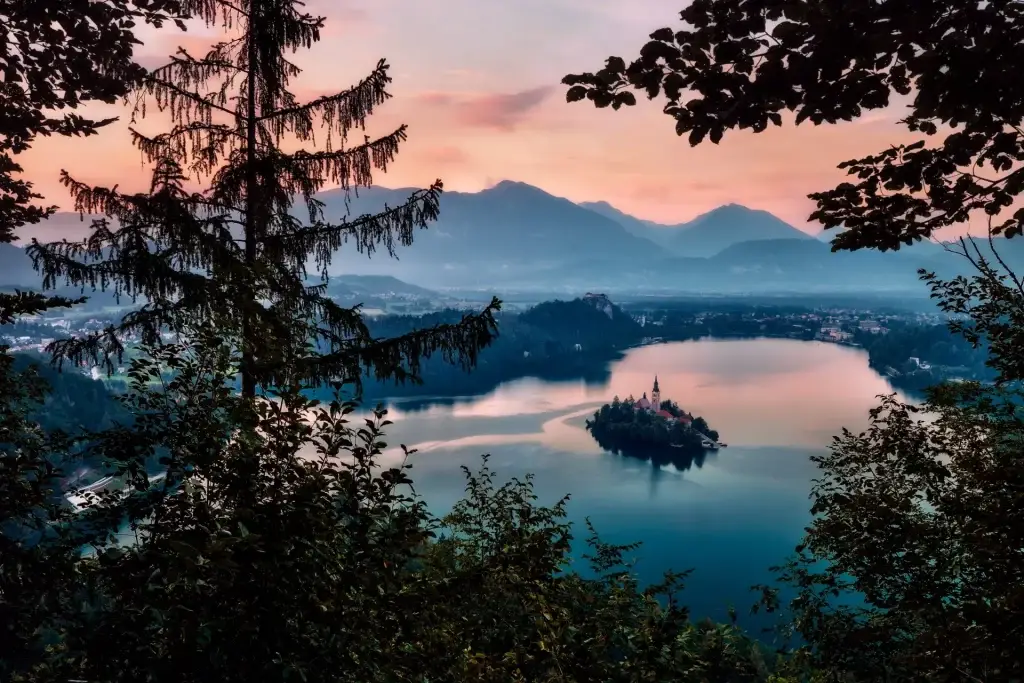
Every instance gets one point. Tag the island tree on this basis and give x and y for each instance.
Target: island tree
(920, 518)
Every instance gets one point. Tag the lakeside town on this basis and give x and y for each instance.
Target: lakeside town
(839, 325)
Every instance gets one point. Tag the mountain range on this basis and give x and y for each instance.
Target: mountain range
(514, 236)
(707, 234)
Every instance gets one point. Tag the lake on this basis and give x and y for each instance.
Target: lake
(774, 402)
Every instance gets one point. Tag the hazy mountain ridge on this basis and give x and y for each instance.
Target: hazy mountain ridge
(509, 226)
(658, 233)
(16, 268)
(708, 233)
(515, 236)
(378, 285)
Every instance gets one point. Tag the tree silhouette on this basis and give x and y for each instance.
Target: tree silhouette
(236, 254)
(54, 57)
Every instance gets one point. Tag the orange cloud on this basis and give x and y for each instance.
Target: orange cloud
(445, 155)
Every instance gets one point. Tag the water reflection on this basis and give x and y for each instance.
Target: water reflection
(766, 392)
(729, 515)
(669, 458)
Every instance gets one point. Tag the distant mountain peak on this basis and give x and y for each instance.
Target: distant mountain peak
(731, 208)
(515, 185)
(718, 229)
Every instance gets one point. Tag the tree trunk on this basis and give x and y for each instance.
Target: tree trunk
(251, 190)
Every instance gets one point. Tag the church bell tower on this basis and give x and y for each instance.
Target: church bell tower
(656, 395)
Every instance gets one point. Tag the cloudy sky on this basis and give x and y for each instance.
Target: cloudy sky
(478, 83)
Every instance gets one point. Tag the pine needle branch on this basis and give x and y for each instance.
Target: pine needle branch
(389, 227)
(342, 111)
(167, 93)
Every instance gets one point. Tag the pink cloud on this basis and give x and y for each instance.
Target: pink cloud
(342, 19)
(436, 98)
(158, 52)
(499, 111)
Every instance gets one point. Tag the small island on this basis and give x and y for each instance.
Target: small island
(651, 427)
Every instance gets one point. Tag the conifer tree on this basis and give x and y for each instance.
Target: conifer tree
(236, 254)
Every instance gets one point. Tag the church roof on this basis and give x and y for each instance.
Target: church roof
(656, 383)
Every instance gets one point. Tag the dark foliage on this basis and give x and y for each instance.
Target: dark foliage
(580, 321)
(534, 343)
(277, 544)
(55, 56)
(30, 498)
(296, 551)
(915, 357)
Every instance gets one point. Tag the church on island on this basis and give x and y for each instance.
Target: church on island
(653, 406)
(653, 423)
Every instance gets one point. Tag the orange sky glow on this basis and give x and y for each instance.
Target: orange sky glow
(478, 85)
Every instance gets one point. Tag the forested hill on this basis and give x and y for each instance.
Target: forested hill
(590, 319)
(914, 357)
(75, 402)
(553, 340)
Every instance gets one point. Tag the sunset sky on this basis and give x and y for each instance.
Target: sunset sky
(478, 84)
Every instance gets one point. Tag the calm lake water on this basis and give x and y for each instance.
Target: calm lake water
(774, 402)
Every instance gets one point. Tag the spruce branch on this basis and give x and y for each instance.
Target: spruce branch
(346, 168)
(340, 112)
(389, 227)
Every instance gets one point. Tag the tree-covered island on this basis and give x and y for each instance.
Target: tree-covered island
(650, 427)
